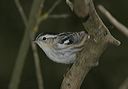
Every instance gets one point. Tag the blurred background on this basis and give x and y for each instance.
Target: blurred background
(113, 65)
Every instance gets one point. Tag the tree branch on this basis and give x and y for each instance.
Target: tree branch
(124, 85)
(37, 65)
(55, 16)
(46, 15)
(53, 6)
(116, 23)
(32, 22)
(24, 18)
(100, 38)
(80, 7)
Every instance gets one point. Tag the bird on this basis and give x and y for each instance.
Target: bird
(62, 47)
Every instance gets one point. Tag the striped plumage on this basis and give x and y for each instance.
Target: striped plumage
(62, 47)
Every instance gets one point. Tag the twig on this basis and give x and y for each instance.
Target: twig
(35, 52)
(46, 15)
(80, 7)
(21, 12)
(37, 65)
(116, 23)
(53, 6)
(59, 16)
(34, 48)
(18, 67)
(124, 85)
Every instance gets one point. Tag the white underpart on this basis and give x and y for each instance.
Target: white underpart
(61, 45)
(65, 57)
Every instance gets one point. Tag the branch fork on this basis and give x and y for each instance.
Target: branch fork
(93, 48)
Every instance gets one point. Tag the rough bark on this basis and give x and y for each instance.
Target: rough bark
(93, 48)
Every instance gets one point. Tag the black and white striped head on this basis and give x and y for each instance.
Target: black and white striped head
(46, 39)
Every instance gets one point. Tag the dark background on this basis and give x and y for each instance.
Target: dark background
(113, 65)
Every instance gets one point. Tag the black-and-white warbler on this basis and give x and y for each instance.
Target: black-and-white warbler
(62, 47)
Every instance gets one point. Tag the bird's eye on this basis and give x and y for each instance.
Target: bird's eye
(44, 38)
